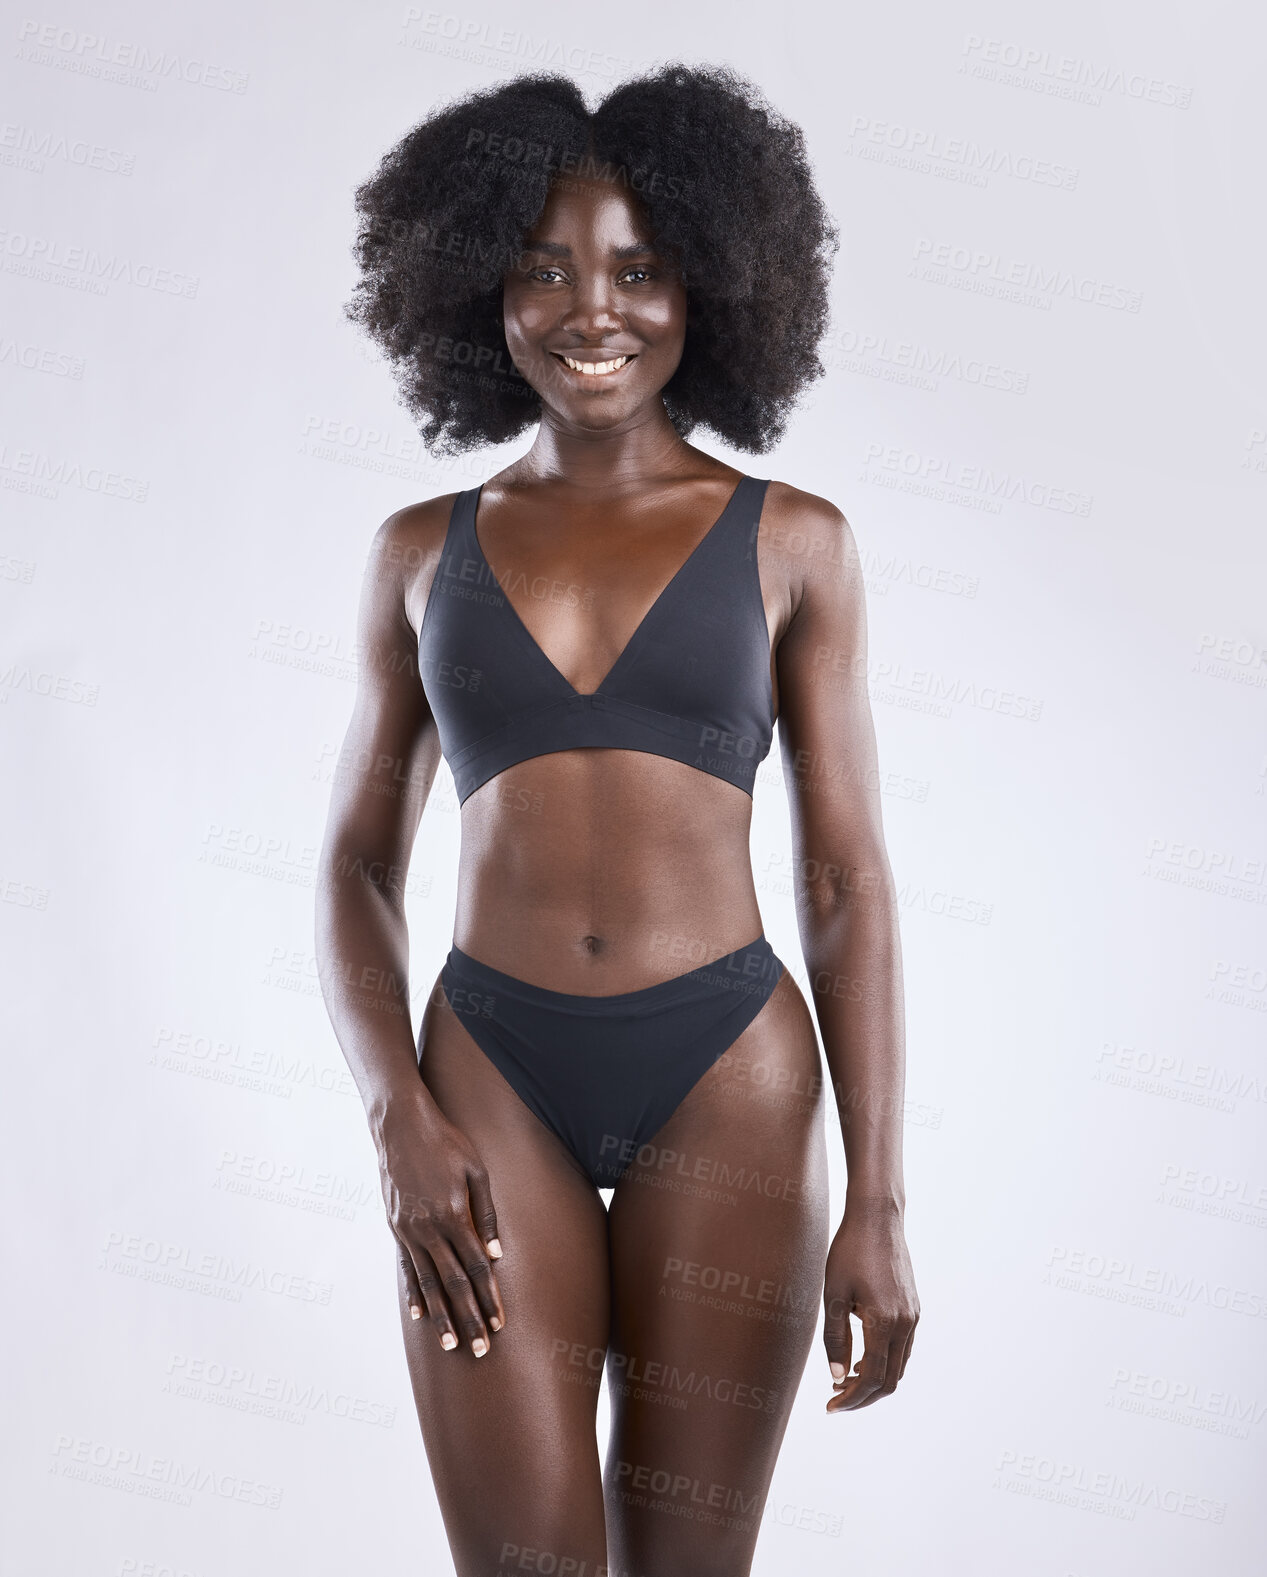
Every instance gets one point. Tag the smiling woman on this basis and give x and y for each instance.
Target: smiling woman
(600, 640)
(725, 191)
(592, 237)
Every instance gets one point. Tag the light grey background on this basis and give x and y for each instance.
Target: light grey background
(1045, 420)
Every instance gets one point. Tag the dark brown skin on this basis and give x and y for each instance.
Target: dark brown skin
(600, 871)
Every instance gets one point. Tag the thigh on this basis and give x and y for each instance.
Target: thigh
(718, 1239)
(510, 1437)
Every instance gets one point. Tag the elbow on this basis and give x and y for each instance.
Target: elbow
(347, 866)
(827, 893)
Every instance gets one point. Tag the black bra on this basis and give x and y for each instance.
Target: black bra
(693, 683)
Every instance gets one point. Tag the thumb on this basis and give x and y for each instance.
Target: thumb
(482, 1213)
(837, 1336)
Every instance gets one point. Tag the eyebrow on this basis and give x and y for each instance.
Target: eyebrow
(554, 249)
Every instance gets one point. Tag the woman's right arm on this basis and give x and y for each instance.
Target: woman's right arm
(435, 1188)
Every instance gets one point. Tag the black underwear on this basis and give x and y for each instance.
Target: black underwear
(606, 1073)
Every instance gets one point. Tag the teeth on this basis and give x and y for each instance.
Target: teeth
(596, 369)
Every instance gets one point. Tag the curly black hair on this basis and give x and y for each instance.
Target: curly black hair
(727, 186)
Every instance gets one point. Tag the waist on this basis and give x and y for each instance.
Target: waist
(597, 871)
(744, 971)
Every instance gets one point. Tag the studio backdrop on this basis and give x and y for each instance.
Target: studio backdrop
(1044, 417)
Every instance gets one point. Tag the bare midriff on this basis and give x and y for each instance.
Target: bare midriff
(600, 871)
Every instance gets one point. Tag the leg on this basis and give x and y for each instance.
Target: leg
(719, 1236)
(510, 1437)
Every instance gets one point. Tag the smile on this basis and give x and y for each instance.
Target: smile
(593, 369)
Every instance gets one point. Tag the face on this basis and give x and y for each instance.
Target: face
(595, 318)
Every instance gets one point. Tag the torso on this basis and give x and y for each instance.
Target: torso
(597, 871)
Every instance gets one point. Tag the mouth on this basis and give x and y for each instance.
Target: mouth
(591, 371)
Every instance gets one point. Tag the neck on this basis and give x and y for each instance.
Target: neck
(645, 447)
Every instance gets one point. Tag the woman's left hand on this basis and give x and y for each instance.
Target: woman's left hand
(868, 1274)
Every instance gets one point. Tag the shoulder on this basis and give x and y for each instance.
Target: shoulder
(406, 549)
(810, 539)
(417, 529)
(791, 509)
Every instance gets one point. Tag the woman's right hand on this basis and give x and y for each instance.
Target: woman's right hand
(440, 1209)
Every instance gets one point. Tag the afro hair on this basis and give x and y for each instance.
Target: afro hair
(725, 182)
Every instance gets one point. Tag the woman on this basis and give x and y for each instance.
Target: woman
(599, 639)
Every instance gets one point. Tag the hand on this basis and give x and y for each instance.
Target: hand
(440, 1208)
(868, 1274)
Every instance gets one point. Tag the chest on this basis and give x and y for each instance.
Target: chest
(584, 589)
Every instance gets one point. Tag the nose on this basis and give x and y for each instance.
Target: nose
(591, 309)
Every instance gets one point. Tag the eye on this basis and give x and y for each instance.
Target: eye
(638, 269)
(537, 273)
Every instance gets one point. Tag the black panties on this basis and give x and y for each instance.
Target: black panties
(606, 1073)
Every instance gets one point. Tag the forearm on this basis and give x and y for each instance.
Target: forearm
(852, 949)
(363, 965)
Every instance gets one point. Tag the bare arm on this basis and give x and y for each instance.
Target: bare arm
(385, 772)
(847, 915)
(435, 1188)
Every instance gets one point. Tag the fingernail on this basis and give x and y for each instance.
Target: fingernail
(838, 1371)
(494, 1249)
(415, 1313)
(495, 1323)
(448, 1341)
(479, 1346)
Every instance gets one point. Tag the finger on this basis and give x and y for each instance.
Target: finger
(479, 1272)
(837, 1336)
(426, 1294)
(906, 1351)
(861, 1389)
(410, 1291)
(893, 1360)
(900, 1344)
(482, 1212)
(877, 1332)
(460, 1296)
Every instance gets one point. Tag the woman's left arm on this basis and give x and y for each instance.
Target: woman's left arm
(847, 913)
